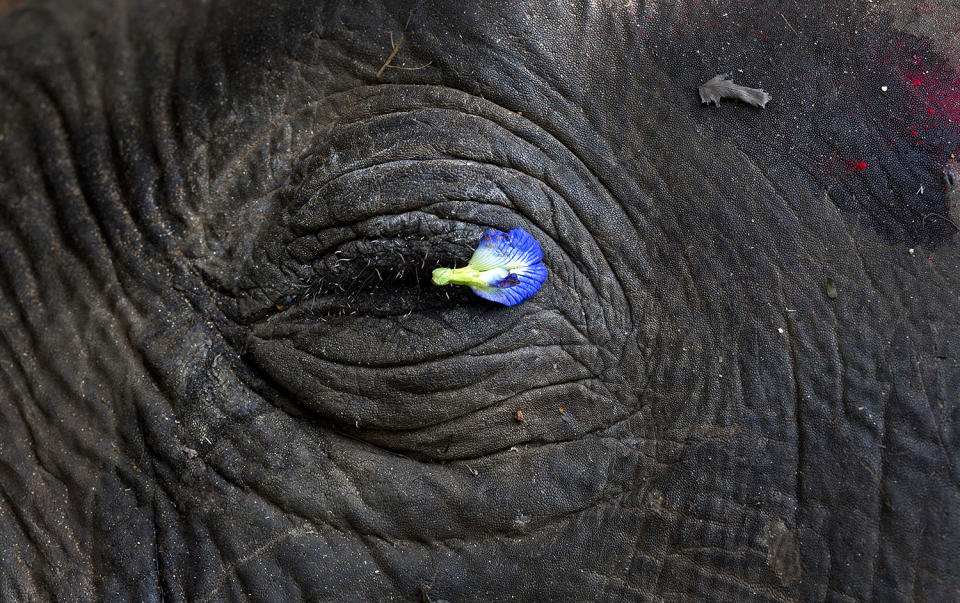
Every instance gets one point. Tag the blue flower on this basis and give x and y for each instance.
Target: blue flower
(507, 268)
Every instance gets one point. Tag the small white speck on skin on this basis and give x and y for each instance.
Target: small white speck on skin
(883, 88)
(780, 330)
(911, 251)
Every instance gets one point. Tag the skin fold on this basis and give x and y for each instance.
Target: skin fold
(224, 373)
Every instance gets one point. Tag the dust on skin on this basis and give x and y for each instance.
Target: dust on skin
(938, 21)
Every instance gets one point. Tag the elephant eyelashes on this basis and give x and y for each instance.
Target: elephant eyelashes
(506, 268)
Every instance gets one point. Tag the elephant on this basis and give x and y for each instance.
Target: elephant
(227, 375)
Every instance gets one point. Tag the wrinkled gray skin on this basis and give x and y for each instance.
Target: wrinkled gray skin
(223, 374)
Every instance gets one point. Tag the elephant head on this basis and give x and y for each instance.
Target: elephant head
(225, 373)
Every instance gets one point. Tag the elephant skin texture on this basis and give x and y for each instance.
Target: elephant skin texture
(225, 375)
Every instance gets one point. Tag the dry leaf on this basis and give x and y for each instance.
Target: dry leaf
(721, 86)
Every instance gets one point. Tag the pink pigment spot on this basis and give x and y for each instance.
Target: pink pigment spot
(937, 90)
(934, 92)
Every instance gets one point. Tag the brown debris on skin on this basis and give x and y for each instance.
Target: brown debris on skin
(6, 5)
(721, 86)
(518, 417)
(831, 288)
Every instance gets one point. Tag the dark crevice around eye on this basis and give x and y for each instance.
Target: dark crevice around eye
(373, 277)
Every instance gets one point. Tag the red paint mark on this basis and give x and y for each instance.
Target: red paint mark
(856, 164)
(934, 90)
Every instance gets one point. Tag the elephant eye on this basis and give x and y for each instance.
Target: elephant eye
(382, 269)
(378, 278)
(362, 297)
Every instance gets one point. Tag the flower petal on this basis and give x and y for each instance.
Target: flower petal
(506, 268)
(506, 250)
(516, 287)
